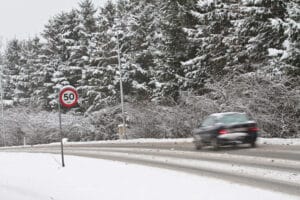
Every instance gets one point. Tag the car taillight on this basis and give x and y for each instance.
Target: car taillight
(253, 129)
(222, 131)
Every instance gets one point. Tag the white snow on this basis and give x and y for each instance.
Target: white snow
(137, 85)
(8, 102)
(260, 141)
(276, 22)
(271, 141)
(251, 2)
(136, 141)
(279, 141)
(40, 177)
(205, 3)
(193, 61)
(286, 44)
(274, 52)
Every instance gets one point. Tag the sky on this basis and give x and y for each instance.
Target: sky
(26, 18)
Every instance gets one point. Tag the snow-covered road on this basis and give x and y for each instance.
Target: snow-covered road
(25, 176)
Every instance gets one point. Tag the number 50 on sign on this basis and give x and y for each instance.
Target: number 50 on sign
(68, 97)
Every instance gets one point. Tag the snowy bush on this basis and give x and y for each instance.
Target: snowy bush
(144, 120)
(271, 101)
(43, 127)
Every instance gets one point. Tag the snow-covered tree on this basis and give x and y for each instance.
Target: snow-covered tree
(98, 86)
(172, 47)
(85, 28)
(137, 26)
(11, 62)
(212, 38)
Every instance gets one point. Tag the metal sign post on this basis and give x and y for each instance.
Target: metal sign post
(2, 108)
(68, 97)
(121, 87)
(61, 138)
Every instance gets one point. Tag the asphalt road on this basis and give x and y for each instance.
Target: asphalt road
(271, 167)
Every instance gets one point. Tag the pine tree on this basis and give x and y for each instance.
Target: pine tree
(54, 34)
(99, 86)
(291, 45)
(85, 29)
(26, 81)
(12, 57)
(172, 47)
(60, 42)
(235, 37)
(43, 92)
(272, 34)
(138, 56)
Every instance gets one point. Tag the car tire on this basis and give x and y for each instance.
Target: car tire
(234, 145)
(253, 144)
(198, 145)
(215, 144)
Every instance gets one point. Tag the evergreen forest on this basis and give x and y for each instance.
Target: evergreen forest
(180, 61)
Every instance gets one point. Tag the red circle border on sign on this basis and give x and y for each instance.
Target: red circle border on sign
(61, 97)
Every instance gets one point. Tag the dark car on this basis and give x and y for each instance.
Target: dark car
(229, 128)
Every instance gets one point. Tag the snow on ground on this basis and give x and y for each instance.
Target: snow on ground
(279, 141)
(26, 176)
(268, 141)
(124, 141)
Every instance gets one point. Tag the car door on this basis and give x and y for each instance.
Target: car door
(208, 128)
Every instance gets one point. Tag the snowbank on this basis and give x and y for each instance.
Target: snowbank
(260, 141)
(271, 141)
(279, 141)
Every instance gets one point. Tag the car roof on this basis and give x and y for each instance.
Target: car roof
(218, 115)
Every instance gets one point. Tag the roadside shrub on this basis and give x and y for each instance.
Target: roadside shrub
(273, 101)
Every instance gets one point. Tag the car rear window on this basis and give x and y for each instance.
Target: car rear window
(233, 118)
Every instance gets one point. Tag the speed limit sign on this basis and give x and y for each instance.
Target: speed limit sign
(68, 97)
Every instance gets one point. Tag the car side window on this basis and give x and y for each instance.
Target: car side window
(208, 122)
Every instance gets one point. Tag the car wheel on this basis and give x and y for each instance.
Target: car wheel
(199, 145)
(234, 145)
(253, 144)
(215, 143)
